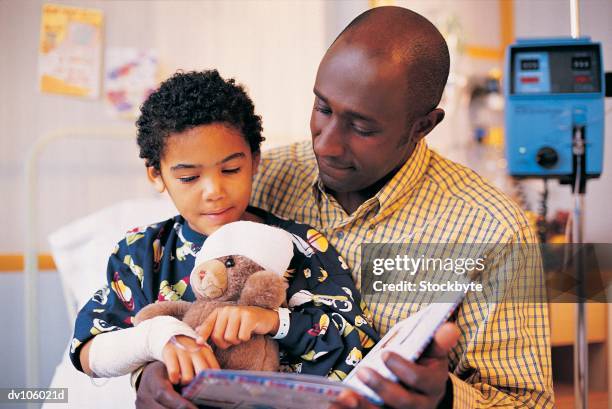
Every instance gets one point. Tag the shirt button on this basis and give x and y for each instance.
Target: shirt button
(340, 235)
(372, 226)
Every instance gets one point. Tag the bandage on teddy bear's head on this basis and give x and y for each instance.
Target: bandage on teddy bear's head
(233, 253)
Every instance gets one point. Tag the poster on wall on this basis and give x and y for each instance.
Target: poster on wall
(130, 76)
(70, 56)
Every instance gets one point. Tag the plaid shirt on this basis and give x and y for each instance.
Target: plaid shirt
(503, 356)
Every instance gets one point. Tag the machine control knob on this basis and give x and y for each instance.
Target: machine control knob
(547, 157)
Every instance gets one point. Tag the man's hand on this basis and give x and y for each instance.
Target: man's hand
(184, 359)
(422, 385)
(234, 324)
(156, 392)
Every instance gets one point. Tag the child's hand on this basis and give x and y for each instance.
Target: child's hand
(184, 358)
(232, 325)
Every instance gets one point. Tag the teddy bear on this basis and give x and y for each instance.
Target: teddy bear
(241, 263)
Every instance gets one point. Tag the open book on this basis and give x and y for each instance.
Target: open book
(244, 389)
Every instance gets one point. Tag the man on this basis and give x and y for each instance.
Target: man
(368, 176)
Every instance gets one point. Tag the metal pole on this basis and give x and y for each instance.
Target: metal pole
(575, 18)
(581, 349)
(31, 271)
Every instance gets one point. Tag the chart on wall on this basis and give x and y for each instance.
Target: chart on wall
(130, 76)
(70, 56)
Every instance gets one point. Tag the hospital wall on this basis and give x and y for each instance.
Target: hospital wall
(271, 46)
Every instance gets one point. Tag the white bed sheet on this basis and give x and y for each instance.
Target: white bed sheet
(80, 251)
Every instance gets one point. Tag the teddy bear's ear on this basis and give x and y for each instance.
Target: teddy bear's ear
(264, 289)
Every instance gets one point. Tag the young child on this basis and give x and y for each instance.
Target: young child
(200, 139)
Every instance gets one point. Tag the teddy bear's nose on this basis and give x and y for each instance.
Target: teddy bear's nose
(210, 279)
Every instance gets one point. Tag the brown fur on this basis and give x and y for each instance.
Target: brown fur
(247, 283)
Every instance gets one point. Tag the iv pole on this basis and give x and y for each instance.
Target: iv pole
(581, 352)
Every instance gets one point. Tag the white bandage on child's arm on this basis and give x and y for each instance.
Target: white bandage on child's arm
(120, 352)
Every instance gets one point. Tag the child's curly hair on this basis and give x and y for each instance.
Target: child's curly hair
(190, 99)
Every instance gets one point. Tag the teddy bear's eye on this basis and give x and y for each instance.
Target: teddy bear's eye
(229, 263)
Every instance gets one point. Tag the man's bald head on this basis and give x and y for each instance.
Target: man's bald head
(400, 36)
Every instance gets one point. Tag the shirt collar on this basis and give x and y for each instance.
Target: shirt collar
(407, 178)
(190, 235)
(400, 186)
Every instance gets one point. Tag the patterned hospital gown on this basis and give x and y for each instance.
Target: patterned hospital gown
(330, 329)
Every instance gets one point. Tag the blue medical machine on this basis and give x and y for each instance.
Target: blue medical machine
(554, 94)
(555, 90)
